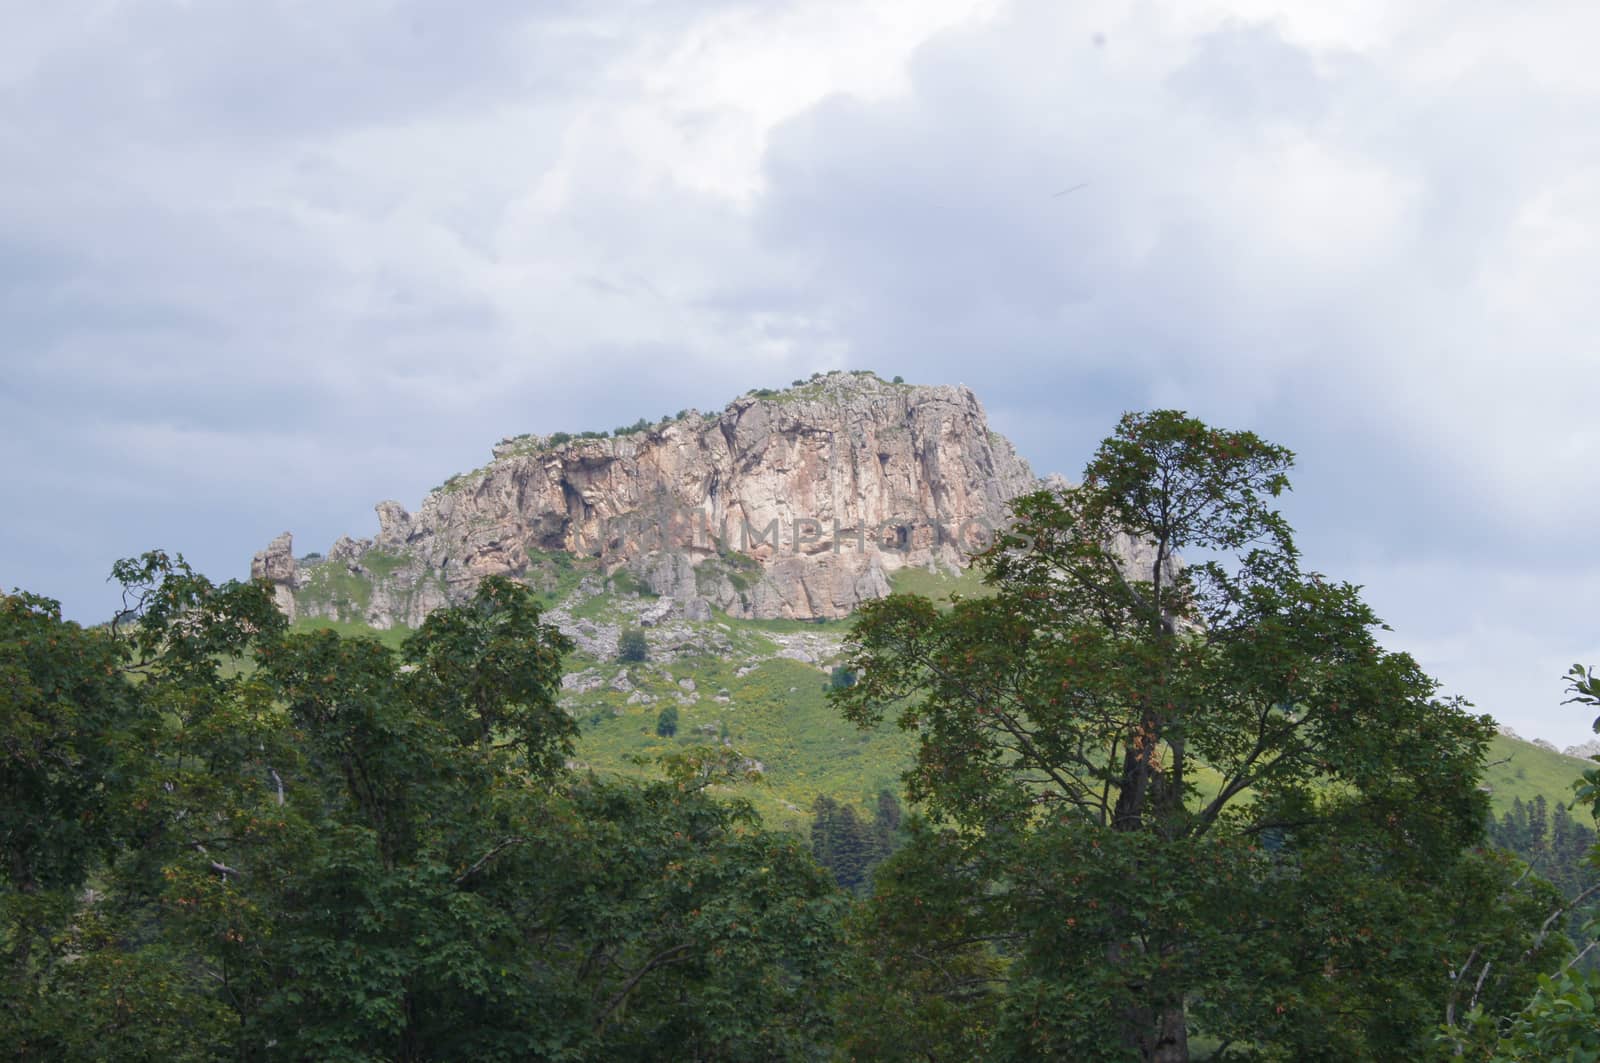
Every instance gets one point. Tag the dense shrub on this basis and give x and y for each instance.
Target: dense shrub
(667, 722)
(632, 647)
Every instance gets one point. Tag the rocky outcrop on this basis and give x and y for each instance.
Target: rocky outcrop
(797, 503)
(1579, 752)
(276, 565)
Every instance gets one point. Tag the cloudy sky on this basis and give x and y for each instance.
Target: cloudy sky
(265, 263)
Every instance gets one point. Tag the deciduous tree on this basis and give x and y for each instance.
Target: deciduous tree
(308, 846)
(1203, 795)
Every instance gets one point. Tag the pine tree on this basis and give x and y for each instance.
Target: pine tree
(842, 843)
(1517, 837)
(886, 826)
(823, 812)
(852, 849)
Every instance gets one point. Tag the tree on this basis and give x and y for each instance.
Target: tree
(824, 812)
(493, 669)
(310, 846)
(632, 647)
(844, 844)
(67, 709)
(1560, 1018)
(851, 850)
(886, 824)
(95, 782)
(1538, 823)
(1562, 857)
(1236, 792)
(667, 722)
(920, 982)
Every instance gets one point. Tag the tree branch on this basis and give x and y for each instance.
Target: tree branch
(660, 959)
(488, 856)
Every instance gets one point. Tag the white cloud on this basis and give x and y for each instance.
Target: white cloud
(270, 262)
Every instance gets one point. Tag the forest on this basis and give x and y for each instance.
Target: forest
(1183, 807)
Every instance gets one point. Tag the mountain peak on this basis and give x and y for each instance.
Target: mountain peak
(791, 503)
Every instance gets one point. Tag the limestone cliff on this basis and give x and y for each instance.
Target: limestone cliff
(796, 503)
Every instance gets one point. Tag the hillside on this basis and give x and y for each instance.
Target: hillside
(759, 686)
(1518, 768)
(756, 686)
(738, 543)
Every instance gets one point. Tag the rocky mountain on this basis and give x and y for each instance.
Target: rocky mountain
(793, 504)
(645, 529)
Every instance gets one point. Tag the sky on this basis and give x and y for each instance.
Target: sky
(265, 263)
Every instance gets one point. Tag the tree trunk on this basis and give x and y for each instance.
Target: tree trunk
(1156, 1029)
(1172, 1037)
(1159, 1034)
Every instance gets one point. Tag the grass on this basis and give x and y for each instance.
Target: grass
(741, 570)
(462, 481)
(332, 588)
(391, 638)
(813, 387)
(626, 582)
(596, 608)
(233, 667)
(777, 713)
(556, 574)
(941, 587)
(331, 585)
(1522, 769)
(382, 565)
(784, 626)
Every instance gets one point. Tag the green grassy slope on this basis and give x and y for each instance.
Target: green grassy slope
(939, 586)
(392, 637)
(748, 689)
(777, 713)
(1522, 769)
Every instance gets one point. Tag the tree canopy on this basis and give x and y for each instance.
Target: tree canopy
(225, 839)
(1185, 793)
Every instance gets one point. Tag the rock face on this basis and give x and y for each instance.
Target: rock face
(276, 565)
(794, 504)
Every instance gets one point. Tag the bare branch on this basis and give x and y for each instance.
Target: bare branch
(1544, 931)
(486, 857)
(660, 959)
